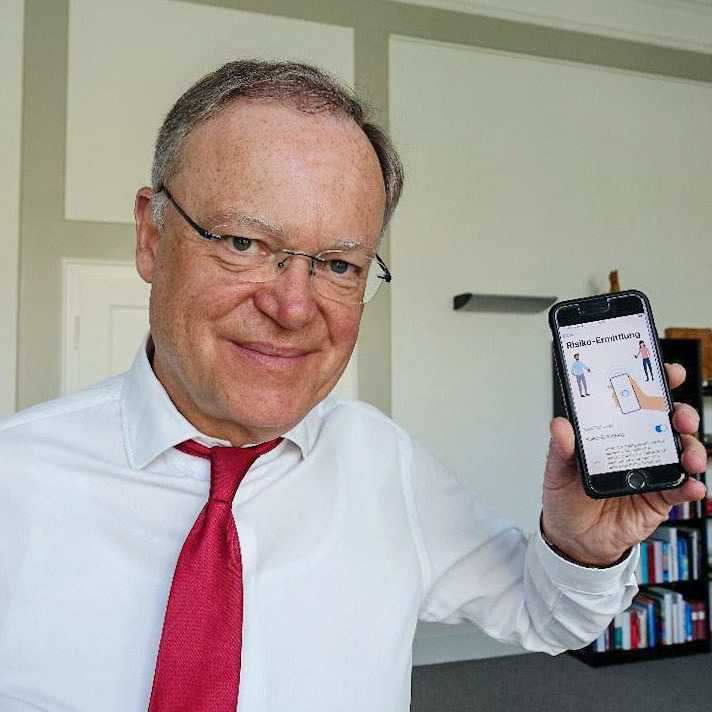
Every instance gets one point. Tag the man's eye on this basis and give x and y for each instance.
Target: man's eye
(340, 266)
(241, 244)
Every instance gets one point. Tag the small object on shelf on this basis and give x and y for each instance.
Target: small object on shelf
(613, 279)
(501, 303)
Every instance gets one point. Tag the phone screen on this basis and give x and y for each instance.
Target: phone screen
(615, 382)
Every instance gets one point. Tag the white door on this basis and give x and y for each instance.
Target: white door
(105, 318)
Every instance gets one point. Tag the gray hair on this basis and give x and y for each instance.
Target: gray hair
(300, 85)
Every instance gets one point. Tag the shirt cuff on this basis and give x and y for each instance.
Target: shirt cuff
(565, 556)
(569, 574)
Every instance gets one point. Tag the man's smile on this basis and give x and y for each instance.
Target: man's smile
(270, 355)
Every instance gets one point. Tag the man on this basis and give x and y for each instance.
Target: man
(578, 368)
(269, 196)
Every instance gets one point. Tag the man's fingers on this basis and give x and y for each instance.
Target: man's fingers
(694, 455)
(691, 491)
(560, 468)
(685, 418)
(675, 374)
(562, 435)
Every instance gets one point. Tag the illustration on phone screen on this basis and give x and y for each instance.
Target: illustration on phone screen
(623, 388)
(616, 391)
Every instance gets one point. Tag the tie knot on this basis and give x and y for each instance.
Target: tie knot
(228, 465)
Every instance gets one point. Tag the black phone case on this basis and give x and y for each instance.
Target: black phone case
(568, 398)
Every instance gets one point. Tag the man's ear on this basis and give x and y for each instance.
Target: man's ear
(147, 235)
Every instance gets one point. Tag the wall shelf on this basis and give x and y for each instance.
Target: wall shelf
(501, 303)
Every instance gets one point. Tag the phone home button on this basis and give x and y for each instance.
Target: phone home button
(636, 480)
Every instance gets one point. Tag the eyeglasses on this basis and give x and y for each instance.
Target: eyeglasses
(344, 275)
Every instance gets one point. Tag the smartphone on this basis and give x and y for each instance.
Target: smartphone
(616, 394)
(625, 393)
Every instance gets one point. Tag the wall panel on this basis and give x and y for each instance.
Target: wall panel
(128, 63)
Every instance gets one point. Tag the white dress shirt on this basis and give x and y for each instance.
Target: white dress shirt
(350, 531)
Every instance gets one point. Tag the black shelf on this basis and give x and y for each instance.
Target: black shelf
(695, 522)
(616, 657)
(681, 586)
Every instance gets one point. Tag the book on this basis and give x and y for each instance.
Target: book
(634, 629)
(652, 605)
(695, 620)
(694, 549)
(645, 575)
(699, 620)
(679, 617)
(668, 535)
(626, 633)
(658, 565)
(688, 622)
(639, 567)
(683, 561)
(618, 632)
(640, 611)
(666, 625)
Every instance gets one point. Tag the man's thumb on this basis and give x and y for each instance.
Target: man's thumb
(562, 437)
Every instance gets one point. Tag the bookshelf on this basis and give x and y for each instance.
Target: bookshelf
(690, 582)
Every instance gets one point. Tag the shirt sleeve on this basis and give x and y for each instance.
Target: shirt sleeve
(480, 568)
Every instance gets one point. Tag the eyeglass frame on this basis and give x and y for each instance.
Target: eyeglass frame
(207, 235)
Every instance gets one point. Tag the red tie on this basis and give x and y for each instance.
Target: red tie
(198, 665)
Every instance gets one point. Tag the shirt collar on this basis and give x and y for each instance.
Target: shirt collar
(152, 424)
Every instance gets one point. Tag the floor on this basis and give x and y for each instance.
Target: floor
(539, 683)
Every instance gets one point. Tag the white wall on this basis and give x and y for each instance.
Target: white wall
(11, 44)
(130, 72)
(531, 177)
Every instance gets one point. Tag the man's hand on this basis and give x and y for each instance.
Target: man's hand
(599, 531)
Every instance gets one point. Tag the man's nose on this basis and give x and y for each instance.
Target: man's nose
(289, 298)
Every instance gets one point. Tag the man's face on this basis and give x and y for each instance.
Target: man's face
(247, 361)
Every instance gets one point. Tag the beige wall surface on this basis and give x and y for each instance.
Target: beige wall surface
(531, 177)
(673, 23)
(11, 45)
(124, 75)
